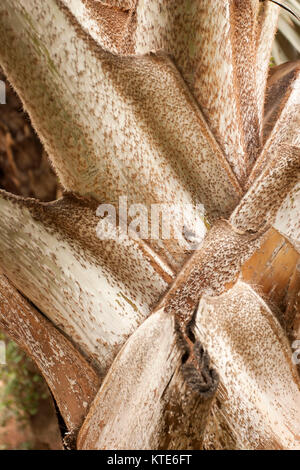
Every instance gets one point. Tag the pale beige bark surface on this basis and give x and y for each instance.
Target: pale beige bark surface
(79, 281)
(150, 408)
(241, 334)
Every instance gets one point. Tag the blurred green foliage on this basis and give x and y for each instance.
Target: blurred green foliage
(22, 387)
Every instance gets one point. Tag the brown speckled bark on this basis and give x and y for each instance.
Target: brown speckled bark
(70, 378)
(244, 15)
(161, 151)
(162, 102)
(215, 264)
(241, 333)
(52, 253)
(266, 29)
(200, 38)
(280, 80)
(189, 397)
(160, 403)
(264, 199)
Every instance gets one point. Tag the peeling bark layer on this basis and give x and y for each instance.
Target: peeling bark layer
(114, 125)
(70, 378)
(214, 265)
(266, 29)
(160, 403)
(252, 355)
(52, 253)
(276, 183)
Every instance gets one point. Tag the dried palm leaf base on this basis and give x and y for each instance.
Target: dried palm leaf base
(70, 378)
(258, 401)
(182, 125)
(52, 253)
(274, 271)
(162, 404)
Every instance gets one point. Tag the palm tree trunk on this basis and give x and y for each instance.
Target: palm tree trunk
(161, 103)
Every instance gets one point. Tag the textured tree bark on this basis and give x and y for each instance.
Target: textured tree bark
(262, 203)
(281, 79)
(221, 75)
(274, 197)
(179, 129)
(79, 281)
(145, 157)
(70, 378)
(266, 29)
(160, 403)
(239, 328)
(24, 167)
(286, 128)
(212, 267)
(244, 46)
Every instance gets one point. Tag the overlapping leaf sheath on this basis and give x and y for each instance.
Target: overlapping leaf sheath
(71, 379)
(215, 264)
(274, 270)
(287, 47)
(110, 24)
(279, 86)
(190, 34)
(162, 102)
(221, 48)
(247, 327)
(259, 394)
(263, 201)
(274, 197)
(52, 253)
(244, 16)
(284, 121)
(161, 403)
(114, 125)
(266, 28)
